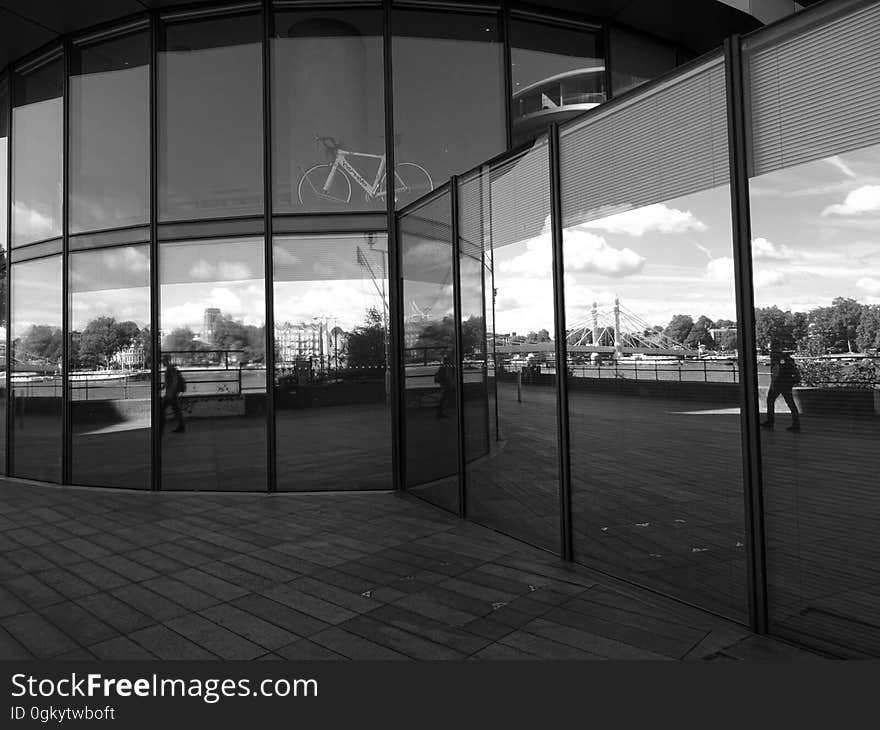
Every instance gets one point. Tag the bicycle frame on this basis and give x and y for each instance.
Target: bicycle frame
(342, 162)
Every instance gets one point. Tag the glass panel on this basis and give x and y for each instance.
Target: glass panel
(816, 265)
(514, 488)
(212, 313)
(37, 148)
(448, 96)
(211, 119)
(654, 394)
(4, 219)
(110, 366)
(430, 376)
(636, 59)
(343, 49)
(556, 73)
(110, 134)
(332, 401)
(37, 344)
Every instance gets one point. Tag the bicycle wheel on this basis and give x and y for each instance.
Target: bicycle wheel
(311, 186)
(411, 181)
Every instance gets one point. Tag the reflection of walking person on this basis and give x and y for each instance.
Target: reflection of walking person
(784, 375)
(444, 378)
(175, 384)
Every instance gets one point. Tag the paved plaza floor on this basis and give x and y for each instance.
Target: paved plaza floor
(92, 573)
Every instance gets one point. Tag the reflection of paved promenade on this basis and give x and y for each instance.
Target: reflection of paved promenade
(657, 498)
(118, 575)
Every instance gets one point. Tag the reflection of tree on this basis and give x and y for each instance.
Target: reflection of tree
(101, 340)
(40, 342)
(679, 327)
(366, 343)
(231, 334)
(182, 339)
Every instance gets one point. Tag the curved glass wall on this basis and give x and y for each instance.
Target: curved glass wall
(328, 138)
(109, 367)
(448, 96)
(37, 150)
(210, 118)
(213, 333)
(37, 354)
(110, 134)
(332, 376)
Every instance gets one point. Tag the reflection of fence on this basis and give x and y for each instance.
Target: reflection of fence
(685, 371)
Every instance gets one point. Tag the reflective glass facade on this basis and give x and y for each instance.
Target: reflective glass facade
(644, 340)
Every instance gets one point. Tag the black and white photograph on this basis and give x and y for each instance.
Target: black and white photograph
(483, 335)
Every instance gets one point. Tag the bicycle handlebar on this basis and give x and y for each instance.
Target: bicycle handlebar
(329, 143)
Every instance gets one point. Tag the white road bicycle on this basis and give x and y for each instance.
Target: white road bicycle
(331, 181)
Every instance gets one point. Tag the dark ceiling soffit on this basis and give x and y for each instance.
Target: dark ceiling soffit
(709, 20)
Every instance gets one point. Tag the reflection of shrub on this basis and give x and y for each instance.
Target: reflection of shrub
(839, 373)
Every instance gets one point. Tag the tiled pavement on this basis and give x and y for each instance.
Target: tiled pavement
(107, 574)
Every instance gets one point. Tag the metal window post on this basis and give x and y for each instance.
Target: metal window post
(737, 117)
(155, 361)
(457, 329)
(269, 283)
(10, 400)
(561, 345)
(395, 283)
(66, 438)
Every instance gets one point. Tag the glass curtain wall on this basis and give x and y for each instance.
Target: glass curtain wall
(328, 111)
(556, 72)
(430, 375)
(636, 59)
(511, 437)
(110, 366)
(110, 134)
(332, 377)
(448, 96)
(4, 255)
(654, 393)
(37, 352)
(815, 212)
(212, 331)
(37, 138)
(210, 118)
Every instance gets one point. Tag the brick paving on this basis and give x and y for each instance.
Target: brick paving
(104, 574)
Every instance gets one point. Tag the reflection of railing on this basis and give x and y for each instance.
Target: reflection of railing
(686, 371)
(576, 90)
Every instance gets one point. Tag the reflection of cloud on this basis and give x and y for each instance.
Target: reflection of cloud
(861, 200)
(720, 269)
(657, 217)
(183, 305)
(32, 225)
(869, 285)
(704, 250)
(583, 251)
(767, 250)
(204, 270)
(769, 277)
(586, 251)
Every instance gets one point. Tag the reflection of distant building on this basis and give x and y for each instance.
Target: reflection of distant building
(209, 325)
(302, 341)
(130, 357)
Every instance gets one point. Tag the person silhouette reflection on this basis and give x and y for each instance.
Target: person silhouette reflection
(784, 375)
(444, 378)
(174, 386)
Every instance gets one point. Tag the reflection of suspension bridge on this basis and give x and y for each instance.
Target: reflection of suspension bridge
(613, 330)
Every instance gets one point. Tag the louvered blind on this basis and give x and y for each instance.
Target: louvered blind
(669, 142)
(520, 196)
(816, 92)
(472, 214)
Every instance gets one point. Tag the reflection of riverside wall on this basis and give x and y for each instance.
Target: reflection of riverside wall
(133, 409)
(715, 392)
